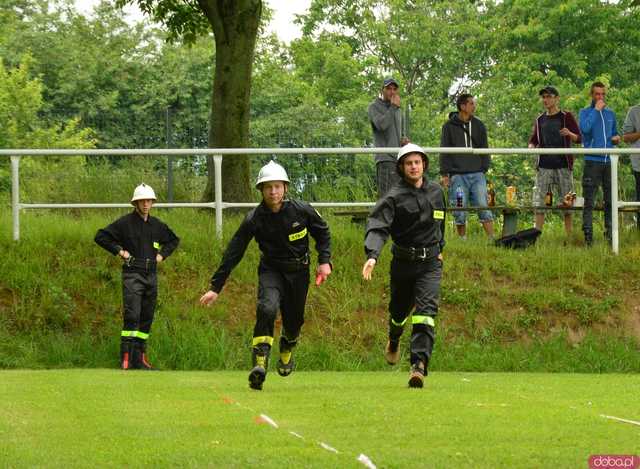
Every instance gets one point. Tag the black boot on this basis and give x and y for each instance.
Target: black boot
(286, 363)
(260, 360)
(127, 361)
(140, 354)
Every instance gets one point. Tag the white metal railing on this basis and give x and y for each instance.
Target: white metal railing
(218, 153)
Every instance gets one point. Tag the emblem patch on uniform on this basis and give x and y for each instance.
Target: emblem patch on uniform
(156, 245)
(438, 214)
(298, 235)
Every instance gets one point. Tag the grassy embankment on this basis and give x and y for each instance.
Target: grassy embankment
(554, 307)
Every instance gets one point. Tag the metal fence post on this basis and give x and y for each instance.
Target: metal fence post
(217, 164)
(614, 204)
(15, 196)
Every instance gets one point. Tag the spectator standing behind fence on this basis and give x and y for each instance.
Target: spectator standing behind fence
(465, 174)
(553, 128)
(598, 127)
(631, 134)
(386, 120)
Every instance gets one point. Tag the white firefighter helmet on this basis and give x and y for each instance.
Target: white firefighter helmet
(410, 148)
(272, 171)
(143, 192)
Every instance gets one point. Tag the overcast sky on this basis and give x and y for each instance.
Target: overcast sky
(282, 23)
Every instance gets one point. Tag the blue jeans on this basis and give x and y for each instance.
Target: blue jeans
(474, 188)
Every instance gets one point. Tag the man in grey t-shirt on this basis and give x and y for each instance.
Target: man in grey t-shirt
(385, 116)
(631, 134)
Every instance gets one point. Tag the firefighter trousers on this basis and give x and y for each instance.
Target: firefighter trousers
(285, 292)
(140, 293)
(415, 284)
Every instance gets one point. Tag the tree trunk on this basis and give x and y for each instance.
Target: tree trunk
(235, 26)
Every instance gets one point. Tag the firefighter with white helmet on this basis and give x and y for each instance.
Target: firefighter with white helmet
(281, 227)
(413, 214)
(142, 241)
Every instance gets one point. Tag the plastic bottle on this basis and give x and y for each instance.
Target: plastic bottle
(511, 195)
(459, 197)
(491, 196)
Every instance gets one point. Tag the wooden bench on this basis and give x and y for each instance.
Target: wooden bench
(509, 213)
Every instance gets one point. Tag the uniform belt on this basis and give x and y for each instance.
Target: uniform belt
(415, 254)
(149, 265)
(290, 264)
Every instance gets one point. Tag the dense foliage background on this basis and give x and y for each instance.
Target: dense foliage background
(67, 80)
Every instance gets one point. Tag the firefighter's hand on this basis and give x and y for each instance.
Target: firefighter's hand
(323, 271)
(615, 140)
(159, 258)
(124, 254)
(444, 181)
(208, 298)
(440, 258)
(368, 268)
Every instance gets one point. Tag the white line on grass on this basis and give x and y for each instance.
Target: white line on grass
(611, 417)
(364, 459)
(269, 420)
(263, 418)
(328, 448)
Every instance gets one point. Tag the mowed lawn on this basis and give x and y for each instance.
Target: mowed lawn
(109, 418)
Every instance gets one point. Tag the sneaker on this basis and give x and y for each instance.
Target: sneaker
(286, 364)
(416, 375)
(392, 353)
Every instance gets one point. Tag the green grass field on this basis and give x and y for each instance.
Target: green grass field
(108, 418)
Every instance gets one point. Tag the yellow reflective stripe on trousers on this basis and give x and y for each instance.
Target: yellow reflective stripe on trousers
(428, 320)
(265, 339)
(399, 324)
(138, 334)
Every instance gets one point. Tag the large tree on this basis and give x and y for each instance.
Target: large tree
(235, 26)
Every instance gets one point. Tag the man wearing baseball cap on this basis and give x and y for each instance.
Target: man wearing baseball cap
(553, 128)
(386, 120)
(413, 214)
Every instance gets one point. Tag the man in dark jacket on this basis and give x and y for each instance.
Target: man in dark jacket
(386, 120)
(281, 228)
(142, 241)
(554, 128)
(465, 175)
(413, 214)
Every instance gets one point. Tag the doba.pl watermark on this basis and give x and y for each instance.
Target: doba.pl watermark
(618, 461)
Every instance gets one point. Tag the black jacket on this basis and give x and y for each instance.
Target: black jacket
(281, 236)
(143, 240)
(413, 217)
(456, 133)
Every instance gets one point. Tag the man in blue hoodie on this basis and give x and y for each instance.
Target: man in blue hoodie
(598, 128)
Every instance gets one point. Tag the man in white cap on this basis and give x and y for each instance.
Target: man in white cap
(281, 227)
(142, 241)
(413, 214)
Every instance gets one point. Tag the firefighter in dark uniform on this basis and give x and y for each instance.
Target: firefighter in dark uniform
(281, 228)
(142, 241)
(413, 214)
